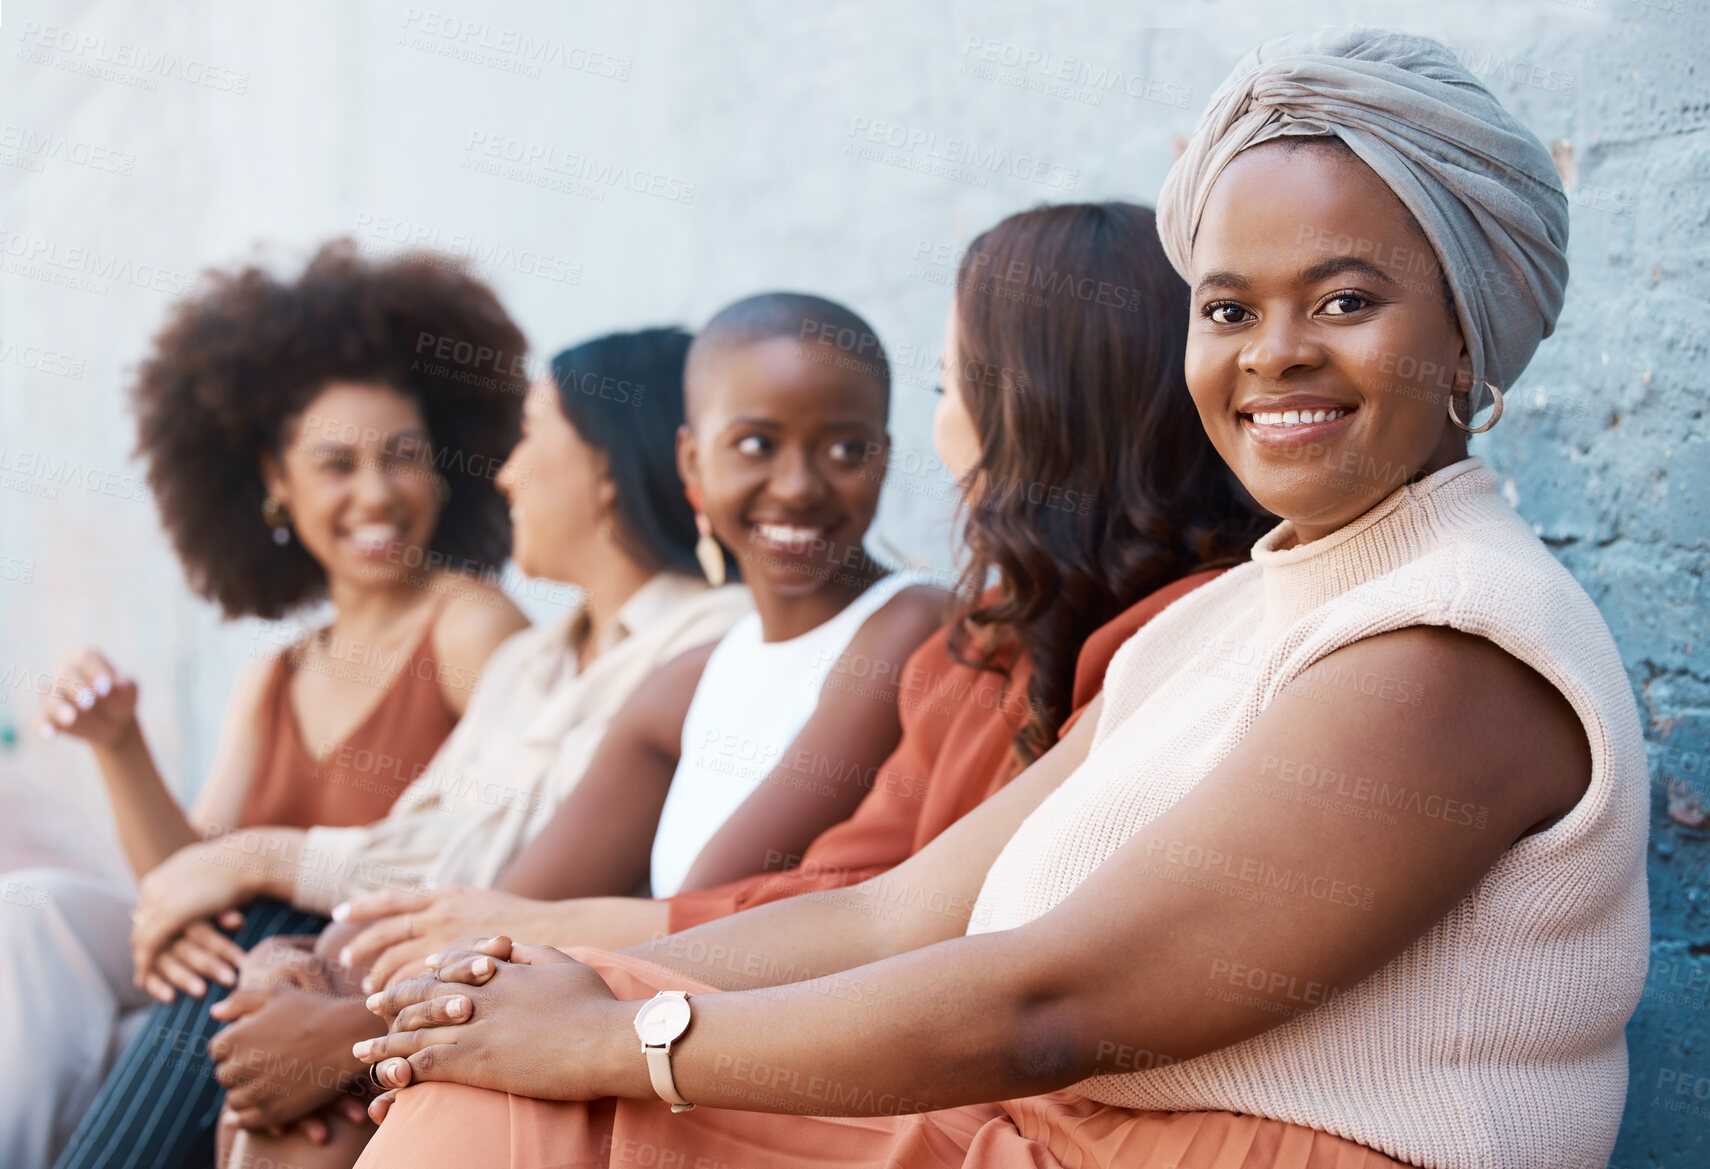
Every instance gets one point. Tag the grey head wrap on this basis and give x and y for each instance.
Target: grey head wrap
(1482, 187)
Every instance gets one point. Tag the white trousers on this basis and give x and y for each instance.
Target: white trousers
(65, 986)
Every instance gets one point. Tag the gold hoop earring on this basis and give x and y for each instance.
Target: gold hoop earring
(276, 516)
(1496, 413)
(709, 551)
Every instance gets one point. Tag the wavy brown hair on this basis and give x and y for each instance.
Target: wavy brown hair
(234, 365)
(1096, 484)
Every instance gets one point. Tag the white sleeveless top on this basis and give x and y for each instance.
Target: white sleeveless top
(752, 700)
(1497, 1039)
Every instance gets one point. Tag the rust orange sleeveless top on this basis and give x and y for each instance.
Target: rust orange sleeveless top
(356, 781)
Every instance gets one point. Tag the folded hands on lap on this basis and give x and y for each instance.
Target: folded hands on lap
(528, 1020)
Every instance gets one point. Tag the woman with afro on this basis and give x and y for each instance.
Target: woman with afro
(324, 446)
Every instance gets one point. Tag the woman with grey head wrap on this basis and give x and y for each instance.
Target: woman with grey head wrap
(1334, 874)
(1481, 186)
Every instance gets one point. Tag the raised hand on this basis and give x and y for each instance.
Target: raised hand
(90, 700)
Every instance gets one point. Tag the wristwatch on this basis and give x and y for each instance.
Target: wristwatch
(660, 1023)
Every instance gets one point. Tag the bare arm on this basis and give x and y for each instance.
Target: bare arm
(599, 840)
(150, 822)
(926, 899)
(910, 906)
(96, 702)
(220, 802)
(1120, 966)
(827, 767)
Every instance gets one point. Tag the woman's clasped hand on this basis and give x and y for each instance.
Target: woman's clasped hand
(476, 1017)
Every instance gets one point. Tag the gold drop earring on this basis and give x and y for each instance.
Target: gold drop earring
(707, 548)
(1496, 413)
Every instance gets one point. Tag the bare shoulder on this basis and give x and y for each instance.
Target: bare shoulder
(1463, 705)
(476, 617)
(655, 713)
(902, 622)
(250, 684)
(679, 676)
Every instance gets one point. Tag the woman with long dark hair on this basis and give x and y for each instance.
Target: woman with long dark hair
(1089, 482)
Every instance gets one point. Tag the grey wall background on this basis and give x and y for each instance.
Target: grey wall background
(141, 142)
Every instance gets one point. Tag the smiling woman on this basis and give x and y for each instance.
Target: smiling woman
(300, 453)
(1169, 952)
(749, 748)
(1291, 354)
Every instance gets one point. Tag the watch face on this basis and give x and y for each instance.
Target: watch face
(662, 1020)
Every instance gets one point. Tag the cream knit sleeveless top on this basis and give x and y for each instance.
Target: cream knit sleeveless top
(1497, 1039)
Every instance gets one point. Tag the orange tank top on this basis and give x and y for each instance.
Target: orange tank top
(357, 781)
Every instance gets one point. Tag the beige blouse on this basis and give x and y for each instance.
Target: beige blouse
(530, 731)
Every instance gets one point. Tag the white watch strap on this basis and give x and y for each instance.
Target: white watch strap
(659, 1071)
